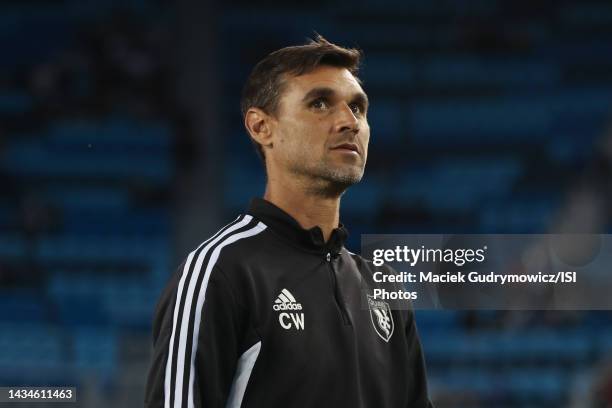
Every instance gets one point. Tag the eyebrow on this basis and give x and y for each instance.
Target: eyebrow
(325, 92)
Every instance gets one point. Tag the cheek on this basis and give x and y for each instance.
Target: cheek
(302, 136)
(366, 139)
(306, 135)
(290, 141)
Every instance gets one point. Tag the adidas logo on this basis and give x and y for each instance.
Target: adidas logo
(286, 301)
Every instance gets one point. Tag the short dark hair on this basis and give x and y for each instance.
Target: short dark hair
(266, 82)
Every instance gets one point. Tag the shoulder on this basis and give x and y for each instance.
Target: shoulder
(228, 244)
(210, 261)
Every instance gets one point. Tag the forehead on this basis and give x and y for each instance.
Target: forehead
(338, 79)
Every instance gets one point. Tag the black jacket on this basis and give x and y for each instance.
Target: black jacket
(269, 315)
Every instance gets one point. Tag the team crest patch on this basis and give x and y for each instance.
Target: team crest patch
(382, 319)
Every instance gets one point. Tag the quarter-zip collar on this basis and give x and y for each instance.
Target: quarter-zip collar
(285, 225)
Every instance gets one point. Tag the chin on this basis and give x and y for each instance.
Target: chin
(347, 178)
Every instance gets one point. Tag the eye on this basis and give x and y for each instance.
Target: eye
(356, 108)
(319, 104)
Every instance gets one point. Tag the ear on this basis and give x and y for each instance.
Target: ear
(259, 125)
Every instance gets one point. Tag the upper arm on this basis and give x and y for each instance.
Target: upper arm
(196, 341)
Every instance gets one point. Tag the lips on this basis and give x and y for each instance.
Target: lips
(347, 146)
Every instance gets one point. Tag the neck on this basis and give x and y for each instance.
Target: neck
(306, 208)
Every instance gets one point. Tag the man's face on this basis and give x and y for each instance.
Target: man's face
(321, 129)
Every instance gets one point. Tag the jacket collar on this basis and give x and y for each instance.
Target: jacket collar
(286, 226)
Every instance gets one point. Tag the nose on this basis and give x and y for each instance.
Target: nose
(346, 120)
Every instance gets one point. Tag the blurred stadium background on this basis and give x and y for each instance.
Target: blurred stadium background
(121, 148)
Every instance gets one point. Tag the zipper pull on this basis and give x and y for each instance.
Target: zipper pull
(328, 257)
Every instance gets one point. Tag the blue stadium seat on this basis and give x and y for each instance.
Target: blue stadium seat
(30, 352)
(129, 302)
(89, 299)
(241, 184)
(12, 246)
(604, 342)
(112, 135)
(364, 198)
(519, 216)
(471, 71)
(88, 198)
(388, 124)
(482, 122)
(32, 159)
(387, 70)
(151, 223)
(15, 102)
(432, 321)
(545, 385)
(460, 184)
(22, 305)
(102, 249)
(96, 351)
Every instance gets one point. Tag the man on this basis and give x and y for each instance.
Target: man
(269, 311)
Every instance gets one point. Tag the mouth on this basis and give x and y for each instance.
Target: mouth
(350, 148)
